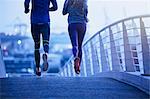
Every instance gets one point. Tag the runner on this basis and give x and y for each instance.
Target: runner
(77, 19)
(40, 24)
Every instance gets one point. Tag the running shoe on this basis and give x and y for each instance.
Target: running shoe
(38, 71)
(77, 65)
(45, 62)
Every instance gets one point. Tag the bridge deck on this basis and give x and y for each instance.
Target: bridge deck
(31, 87)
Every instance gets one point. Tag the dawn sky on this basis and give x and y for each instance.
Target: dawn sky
(101, 13)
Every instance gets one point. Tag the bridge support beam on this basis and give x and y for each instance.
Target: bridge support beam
(145, 49)
(127, 51)
(114, 56)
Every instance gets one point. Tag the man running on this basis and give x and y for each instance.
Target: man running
(40, 24)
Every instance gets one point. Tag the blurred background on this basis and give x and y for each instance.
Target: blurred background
(17, 44)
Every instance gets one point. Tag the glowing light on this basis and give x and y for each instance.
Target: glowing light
(19, 42)
(5, 48)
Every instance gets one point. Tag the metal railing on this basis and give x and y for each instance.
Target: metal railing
(2, 67)
(123, 46)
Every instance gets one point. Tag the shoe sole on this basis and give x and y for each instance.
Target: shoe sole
(77, 65)
(45, 63)
(38, 73)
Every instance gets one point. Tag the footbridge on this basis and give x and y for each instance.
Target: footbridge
(115, 65)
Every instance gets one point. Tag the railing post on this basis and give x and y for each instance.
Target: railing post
(145, 49)
(127, 51)
(104, 61)
(2, 66)
(65, 71)
(94, 58)
(90, 59)
(69, 70)
(114, 56)
(87, 61)
(73, 72)
(84, 64)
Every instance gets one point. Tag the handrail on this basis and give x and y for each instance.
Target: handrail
(125, 19)
(108, 59)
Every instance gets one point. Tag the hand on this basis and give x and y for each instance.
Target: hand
(86, 19)
(26, 10)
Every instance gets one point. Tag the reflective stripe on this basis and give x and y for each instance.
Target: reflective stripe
(36, 49)
(46, 44)
(46, 41)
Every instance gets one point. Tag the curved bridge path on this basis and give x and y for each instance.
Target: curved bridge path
(31, 87)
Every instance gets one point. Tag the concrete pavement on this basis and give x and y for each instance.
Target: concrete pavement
(32, 87)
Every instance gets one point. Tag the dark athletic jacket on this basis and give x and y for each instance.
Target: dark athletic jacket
(40, 10)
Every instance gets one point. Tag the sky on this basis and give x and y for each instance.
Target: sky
(101, 13)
